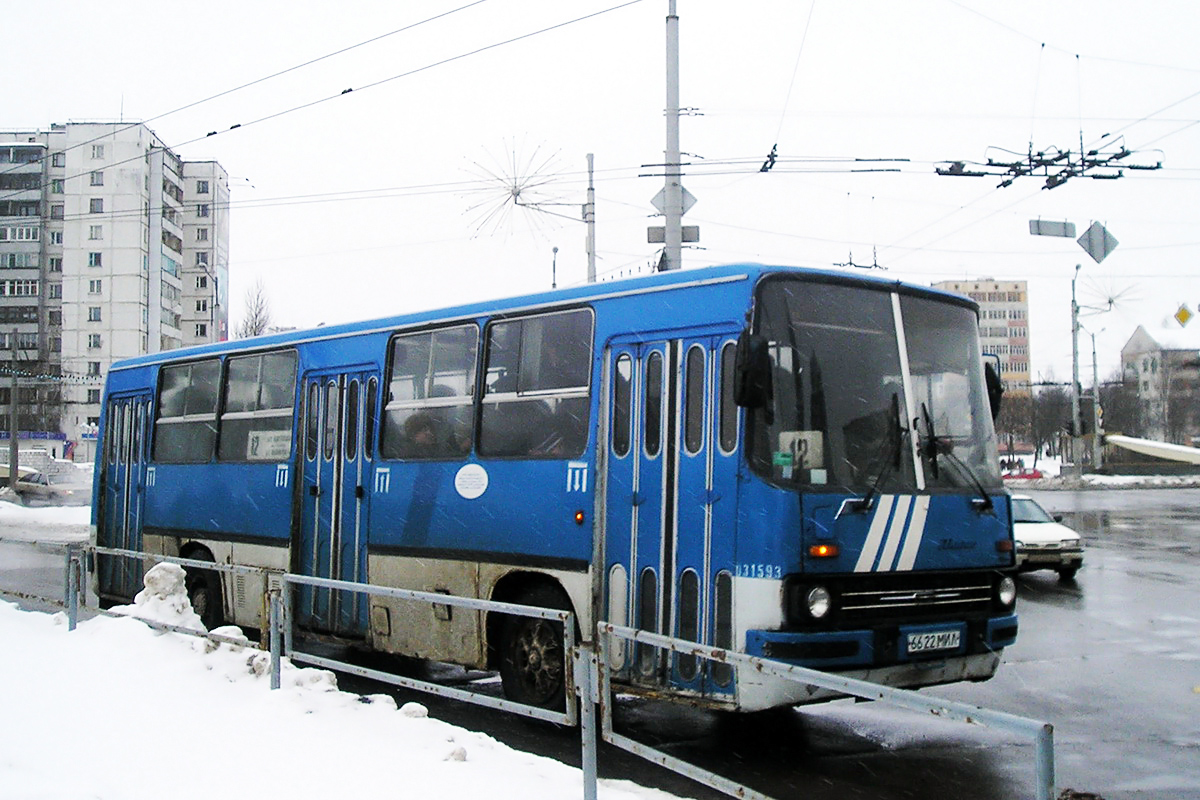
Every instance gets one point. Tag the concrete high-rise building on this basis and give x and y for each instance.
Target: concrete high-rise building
(111, 246)
(1003, 325)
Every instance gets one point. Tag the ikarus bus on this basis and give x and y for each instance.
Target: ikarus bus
(790, 463)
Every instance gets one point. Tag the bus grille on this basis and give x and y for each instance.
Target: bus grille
(863, 600)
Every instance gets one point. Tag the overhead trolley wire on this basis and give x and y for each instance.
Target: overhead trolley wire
(375, 84)
(273, 75)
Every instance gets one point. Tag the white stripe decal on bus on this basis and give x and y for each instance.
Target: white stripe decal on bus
(883, 509)
(895, 533)
(916, 530)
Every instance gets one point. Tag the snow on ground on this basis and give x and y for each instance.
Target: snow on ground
(116, 709)
(45, 523)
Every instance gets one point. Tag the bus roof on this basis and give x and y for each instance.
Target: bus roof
(528, 302)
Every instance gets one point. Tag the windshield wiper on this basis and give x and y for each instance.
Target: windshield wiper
(932, 448)
(929, 448)
(894, 443)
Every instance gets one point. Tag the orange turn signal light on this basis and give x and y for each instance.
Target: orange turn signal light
(823, 550)
(578, 517)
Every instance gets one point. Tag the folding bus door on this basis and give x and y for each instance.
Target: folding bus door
(670, 505)
(123, 495)
(338, 426)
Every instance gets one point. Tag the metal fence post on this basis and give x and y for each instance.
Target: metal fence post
(274, 582)
(73, 569)
(1045, 762)
(585, 660)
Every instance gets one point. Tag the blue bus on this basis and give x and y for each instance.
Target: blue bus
(792, 463)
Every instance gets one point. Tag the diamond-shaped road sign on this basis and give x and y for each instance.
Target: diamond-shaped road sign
(1183, 315)
(1097, 242)
(659, 201)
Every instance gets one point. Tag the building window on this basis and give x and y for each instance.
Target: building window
(201, 234)
(97, 179)
(93, 313)
(95, 260)
(202, 210)
(55, 344)
(95, 285)
(19, 288)
(58, 160)
(56, 211)
(97, 151)
(56, 237)
(94, 341)
(93, 396)
(55, 291)
(95, 232)
(56, 186)
(201, 187)
(201, 329)
(96, 205)
(202, 258)
(56, 263)
(202, 305)
(54, 316)
(93, 368)
(201, 281)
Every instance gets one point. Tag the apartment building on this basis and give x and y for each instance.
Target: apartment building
(1161, 363)
(1003, 325)
(111, 246)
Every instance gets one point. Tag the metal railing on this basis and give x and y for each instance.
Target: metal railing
(585, 669)
(1042, 733)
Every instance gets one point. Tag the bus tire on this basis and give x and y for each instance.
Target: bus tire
(532, 652)
(204, 592)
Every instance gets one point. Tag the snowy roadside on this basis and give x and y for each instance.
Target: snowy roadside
(117, 710)
(1073, 483)
(45, 523)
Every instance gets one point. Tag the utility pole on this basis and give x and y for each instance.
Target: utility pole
(673, 185)
(13, 422)
(589, 218)
(1075, 443)
(1097, 450)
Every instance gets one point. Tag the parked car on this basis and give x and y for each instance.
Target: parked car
(34, 486)
(1043, 542)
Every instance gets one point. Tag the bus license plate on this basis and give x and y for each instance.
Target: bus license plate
(933, 640)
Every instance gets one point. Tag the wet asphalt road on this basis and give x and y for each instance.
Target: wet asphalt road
(1111, 659)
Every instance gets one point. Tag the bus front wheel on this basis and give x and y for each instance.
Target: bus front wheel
(532, 653)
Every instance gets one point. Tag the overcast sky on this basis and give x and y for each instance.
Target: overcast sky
(349, 206)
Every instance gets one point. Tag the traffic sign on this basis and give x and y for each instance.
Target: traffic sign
(1097, 242)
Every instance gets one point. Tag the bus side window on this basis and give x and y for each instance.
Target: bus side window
(256, 421)
(186, 429)
(431, 391)
(536, 402)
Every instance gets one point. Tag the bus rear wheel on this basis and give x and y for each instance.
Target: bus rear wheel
(532, 652)
(204, 593)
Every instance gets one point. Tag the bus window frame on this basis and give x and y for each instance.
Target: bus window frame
(258, 413)
(527, 396)
(212, 418)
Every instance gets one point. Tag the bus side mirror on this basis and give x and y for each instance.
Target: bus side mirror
(752, 372)
(995, 388)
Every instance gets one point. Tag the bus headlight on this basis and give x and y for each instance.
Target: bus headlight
(1006, 591)
(819, 602)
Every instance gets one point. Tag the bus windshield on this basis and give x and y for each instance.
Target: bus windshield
(841, 414)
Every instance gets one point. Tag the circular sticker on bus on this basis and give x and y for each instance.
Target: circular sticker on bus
(471, 481)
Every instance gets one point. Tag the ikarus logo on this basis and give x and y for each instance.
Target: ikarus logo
(897, 526)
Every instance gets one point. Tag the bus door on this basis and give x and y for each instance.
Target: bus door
(670, 502)
(338, 440)
(127, 421)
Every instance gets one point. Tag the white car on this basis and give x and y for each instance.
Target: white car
(1043, 542)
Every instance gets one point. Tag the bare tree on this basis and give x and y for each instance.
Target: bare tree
(258, 312)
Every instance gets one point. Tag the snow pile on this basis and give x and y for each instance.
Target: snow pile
(164, 599)
(117, 710)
